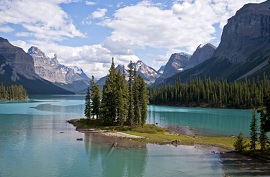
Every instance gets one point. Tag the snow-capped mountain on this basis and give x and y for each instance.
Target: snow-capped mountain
(148, 73)
(69, 77)
(17, 68)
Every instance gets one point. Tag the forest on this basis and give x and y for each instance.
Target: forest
(13, 92)
(122, 102)
(212, 93)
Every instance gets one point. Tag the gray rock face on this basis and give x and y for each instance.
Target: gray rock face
(17, 59)
(202, 53)
(17, 67)
(148, 74)
(51, 70)
(177, 63)
(245, 33)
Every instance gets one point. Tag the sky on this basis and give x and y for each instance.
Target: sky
(88, 33)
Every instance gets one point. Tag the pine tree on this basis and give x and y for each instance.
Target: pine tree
(109, 97)
(95, 95)
(121, 111)
(130, 116)
(253, 131)
(137, 113)
(240, 144)
(87, 108)
(143, 99)
(263, 135)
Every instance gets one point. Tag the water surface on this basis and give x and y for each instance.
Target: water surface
(35, 140)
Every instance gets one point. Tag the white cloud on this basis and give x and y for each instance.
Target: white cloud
(99, 13)
(45, 19)
(90, 3)
(185, 25)
(93, 59)
(6, 29)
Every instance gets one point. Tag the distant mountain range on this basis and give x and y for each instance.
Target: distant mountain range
(17, 67)
(244, 49)
(243, 52)
(71, 78)
(148, 73)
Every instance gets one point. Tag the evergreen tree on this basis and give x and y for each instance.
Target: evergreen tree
(263, 135)
(137, 113)
(143, 99)
(95, 95)
(87, 107)
(109, 97)
(130, 116)
(240, 144)
(253, 131)
(122, 97)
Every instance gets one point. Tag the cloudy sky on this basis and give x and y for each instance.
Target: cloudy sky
(89, 33)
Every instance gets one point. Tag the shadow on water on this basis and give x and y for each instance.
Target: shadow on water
(238, 165)
(119, 157)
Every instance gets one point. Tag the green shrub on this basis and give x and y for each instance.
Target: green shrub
(240, 143)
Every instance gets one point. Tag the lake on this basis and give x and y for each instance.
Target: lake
(36, 140)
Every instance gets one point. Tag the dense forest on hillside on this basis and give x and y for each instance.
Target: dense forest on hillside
(13, 92)
(207, 93)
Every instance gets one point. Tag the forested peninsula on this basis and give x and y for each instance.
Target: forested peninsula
(13, 92)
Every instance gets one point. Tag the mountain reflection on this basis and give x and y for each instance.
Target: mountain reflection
(118, 157)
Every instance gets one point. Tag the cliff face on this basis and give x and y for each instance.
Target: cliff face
(244, 49)
(16, 58)
(17, 68)
(177, 63)
(202, 53)
(245, 33)
(68, 77)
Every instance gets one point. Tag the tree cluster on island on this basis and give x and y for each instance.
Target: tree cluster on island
(121, 102)
(13, 92)
(207, 93)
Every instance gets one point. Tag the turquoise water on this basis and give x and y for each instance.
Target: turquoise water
(208, 121)
(35, 140)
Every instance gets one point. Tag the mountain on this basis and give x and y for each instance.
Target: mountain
(161, 69)
(70, 78)
(148, 74)
(176, 64)
(244, 49)
(202, 53)
(17, 67)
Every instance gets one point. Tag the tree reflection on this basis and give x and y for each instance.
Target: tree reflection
(117, 157)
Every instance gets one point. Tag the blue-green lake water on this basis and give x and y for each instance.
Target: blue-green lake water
(36, 141)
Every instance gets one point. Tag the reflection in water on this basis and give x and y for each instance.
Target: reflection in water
(119, 157)
(237, 165)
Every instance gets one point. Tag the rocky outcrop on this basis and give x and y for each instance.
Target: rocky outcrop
(246, 33)
(17, 68)
(177, 63)
(18, 60)
(148, 73)
(202, 53)
(63, 76)
(244, 49)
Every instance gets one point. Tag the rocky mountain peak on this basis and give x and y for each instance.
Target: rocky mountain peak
(51, 70)
(246, 32)
(202, 53)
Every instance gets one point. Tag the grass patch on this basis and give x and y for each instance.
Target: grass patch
(155, 134)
